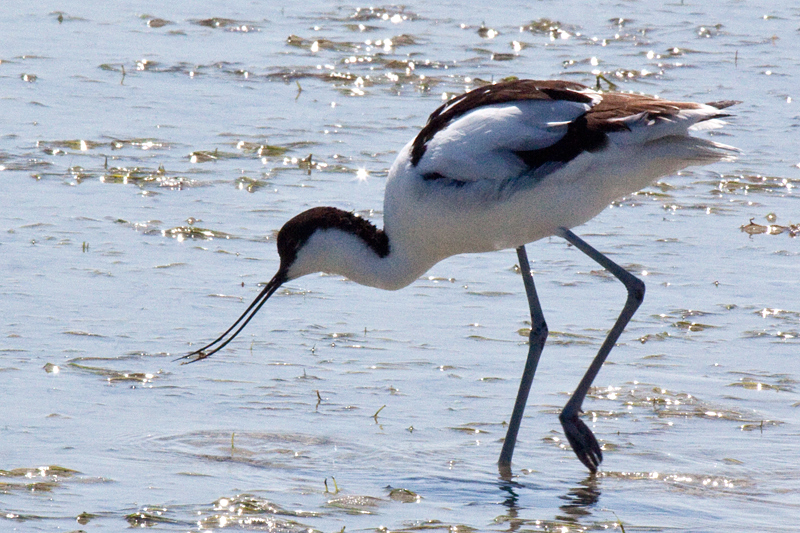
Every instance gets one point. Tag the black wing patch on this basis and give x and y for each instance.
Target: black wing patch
(579, 138)
(434, 176)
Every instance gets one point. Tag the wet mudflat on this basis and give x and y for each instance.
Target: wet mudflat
(149, 154)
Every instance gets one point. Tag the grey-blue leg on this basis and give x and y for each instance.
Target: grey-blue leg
(537, 339)
(580, 437)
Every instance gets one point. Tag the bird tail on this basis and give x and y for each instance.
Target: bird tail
(696, 151)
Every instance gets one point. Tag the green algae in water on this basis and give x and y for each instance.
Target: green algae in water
(404, 496)
(143, 177)
(205, 156)
(150, 517)
(356, 504)
(40, 479)
(84, 518)
(192, 232)
(261, 150)
(114, 376)
(250, 184)
(243, 504)
(41, 471)
(248, 511)
(666, 404)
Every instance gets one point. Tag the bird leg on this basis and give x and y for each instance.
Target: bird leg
(580, 437)
(537, 338)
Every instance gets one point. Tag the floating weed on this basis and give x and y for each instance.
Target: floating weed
(145, 64)
(542, 26)
(84, 518)
(552, 29)
(157, 22)
(53, 472)
(362, 28)
(182, 233)
(687, 483)
(258, 449)
(684, 321)
(666, 404)
(563, 338)
(62, 17)
(111, 375)
(139, 143)
(469, 430)
(393, 14)
(754, 183)
(779, 314)
(204, 156)
(308, 164)
(632, 74)
(781, 335)
(765, 381)
(503, 56)
(60, 147)
(675, 51)
(706, 32)
(760, 426)
(356, 504)
(773, 229)
(81, 333)
(141, 177)
(261, 150)
(144, 177)
(565, 525)
(215, 22)
(662, 336)
(487, 33)
(258, 523)
(226, 24)
(781, 318)
(753, 384)
(490, 294)
(368, 56)
(404, 496)
(245, 183)
(315, 45)
(248, 504)
(149, 517)
(111, 67)
(39, 479)
(691, 326)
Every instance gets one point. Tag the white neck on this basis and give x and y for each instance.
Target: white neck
(338, 252)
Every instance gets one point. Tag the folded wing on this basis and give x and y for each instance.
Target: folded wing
(531, 128)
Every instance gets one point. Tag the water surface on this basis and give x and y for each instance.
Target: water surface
(149, 153)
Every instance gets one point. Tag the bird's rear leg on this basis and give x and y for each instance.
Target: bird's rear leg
(580, 437)
(582, 440)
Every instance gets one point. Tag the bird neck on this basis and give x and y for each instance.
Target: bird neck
(367, 256)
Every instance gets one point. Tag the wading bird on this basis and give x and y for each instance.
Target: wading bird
(499, 167)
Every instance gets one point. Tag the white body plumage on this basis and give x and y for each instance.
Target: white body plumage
(486, 198)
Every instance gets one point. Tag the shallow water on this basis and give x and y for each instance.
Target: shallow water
(149, 154)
